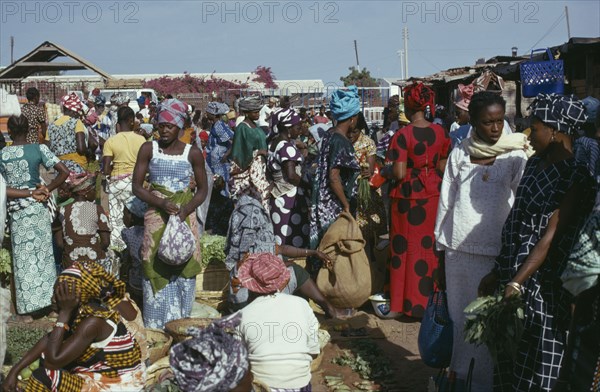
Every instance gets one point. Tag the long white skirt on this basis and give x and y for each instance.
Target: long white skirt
(463, 274)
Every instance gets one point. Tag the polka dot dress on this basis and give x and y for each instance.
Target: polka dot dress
(414, 202)
(289, 211)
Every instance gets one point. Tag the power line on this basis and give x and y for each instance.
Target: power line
(560, 18)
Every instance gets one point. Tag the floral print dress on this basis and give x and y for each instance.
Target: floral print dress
(82, 222)
(30, 227)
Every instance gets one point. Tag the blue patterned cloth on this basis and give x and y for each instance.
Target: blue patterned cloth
(172, 302)
(547, 303)
(587, 151)
(171, 171)
(220, 140)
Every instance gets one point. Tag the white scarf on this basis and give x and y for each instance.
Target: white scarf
(477, 148)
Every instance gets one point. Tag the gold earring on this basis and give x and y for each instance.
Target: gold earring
(553, 137)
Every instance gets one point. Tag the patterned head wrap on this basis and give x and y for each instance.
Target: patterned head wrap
(250, 104)
(591, 108)
(285, 117)
(564, 113)
(82, 182)
(172, 111)
(95, 285)
(344, 103)
(263, 273)
(417, 97)
(217, 108)
(213, 360)
(100, 100)
(72, 102)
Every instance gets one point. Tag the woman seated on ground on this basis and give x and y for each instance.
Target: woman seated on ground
(279, 356)
(89, 345)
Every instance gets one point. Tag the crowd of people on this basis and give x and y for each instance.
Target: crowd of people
(469, 206)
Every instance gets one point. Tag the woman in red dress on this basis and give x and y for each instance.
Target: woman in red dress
(418, 154)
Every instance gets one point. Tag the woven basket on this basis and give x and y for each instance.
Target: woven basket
(178, 328)
(214, 277)
(158, 336)
(542, 76)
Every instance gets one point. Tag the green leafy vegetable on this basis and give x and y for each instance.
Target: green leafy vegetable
(496, 322)
(212, 248)
(5, 267)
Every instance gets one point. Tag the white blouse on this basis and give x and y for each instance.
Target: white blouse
(475, 200)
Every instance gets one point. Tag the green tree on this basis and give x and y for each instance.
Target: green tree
(359, 78)
(363, 78)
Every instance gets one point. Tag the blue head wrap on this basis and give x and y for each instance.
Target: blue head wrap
(141, 100)
(345, 103)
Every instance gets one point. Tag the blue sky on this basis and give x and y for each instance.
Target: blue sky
(297, 39)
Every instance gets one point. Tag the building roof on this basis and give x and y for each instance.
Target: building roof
(41, 59)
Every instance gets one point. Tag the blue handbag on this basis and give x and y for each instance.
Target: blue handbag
(436, 333)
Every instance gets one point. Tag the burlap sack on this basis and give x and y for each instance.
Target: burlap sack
(346, 283)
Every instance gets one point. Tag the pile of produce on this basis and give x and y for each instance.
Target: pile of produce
(212, 247)
(496, 322)
(19, 340)
(366, 359)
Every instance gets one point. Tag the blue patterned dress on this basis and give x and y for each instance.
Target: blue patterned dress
(336, 152)
(175, 300)
(30, 227)
(220, 140)
(547, 312)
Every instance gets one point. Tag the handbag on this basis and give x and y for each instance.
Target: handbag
(542, 76)
(177, 244)
(436, 333)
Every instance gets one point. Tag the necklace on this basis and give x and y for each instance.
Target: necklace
(486, 175)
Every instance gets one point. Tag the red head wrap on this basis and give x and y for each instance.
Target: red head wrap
(417, 97)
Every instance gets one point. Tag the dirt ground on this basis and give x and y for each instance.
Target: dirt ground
(396, 338)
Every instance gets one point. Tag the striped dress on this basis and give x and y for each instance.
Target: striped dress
(113, 364)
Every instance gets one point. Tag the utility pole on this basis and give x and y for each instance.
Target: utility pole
(401, 55)
(405, 36)
(356, 52)
(568, 24)
(12, 49)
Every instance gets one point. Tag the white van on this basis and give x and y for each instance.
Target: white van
(132, 94)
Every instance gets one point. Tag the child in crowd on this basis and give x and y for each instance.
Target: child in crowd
(81, 229)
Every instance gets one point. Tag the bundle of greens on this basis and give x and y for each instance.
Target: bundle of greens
(364, 187)
(212, 247)
(364, 193)
(496, 322)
